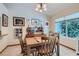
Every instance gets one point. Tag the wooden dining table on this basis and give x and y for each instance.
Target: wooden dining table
(37, 41)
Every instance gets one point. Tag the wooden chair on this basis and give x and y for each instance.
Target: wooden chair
(57, 43)
(43, 48)
(48, 48)
(23, 47)
(52, 46)
(33, 50)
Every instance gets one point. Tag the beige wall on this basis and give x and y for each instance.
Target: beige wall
(12, 39)
(66, 11)
(51, 23)
(4, 30)
(69, 42)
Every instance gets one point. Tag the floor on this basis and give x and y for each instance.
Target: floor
(15, 51)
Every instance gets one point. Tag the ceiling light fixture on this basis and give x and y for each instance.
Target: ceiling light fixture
(41, 7)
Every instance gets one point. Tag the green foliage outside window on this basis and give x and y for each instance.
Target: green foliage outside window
(69, 27)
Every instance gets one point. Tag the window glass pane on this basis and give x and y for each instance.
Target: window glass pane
(61, 28)
(73, 28)
(58, 27)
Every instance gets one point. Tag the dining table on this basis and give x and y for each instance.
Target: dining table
(37, 41)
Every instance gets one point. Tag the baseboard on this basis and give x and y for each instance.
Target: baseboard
(3, 49)
(19, 44)
(68, 47)
(13, 45)
(9, 46)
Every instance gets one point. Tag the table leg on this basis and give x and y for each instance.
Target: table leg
(57, 50)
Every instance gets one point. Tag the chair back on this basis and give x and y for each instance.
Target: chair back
(56, 35)
(21, 44)
(52, 44)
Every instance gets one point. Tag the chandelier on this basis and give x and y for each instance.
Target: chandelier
(41, 7)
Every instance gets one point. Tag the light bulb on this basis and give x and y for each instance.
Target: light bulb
(44, 5)
(45, 9)
(38, 5)
(36, 9)
(40, 10)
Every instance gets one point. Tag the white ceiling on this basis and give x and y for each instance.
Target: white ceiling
(52, 8)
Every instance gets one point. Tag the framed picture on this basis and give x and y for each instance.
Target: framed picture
(18, 21)
(4, 20)
(18, 32)
(35, 22)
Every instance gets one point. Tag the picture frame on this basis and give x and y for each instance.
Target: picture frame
(4, 20)
(18, 21)
(35, 22)
(18, 32)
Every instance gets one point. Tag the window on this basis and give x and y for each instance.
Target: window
(73, 27)
(69, 26)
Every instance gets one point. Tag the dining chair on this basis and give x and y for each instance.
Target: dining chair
(23, 46)
(48, 48)
(33, 49)
(57, 43)
(52, 46)
(54, 40)
(43, 48)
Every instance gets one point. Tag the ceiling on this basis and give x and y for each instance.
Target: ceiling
(52, 8)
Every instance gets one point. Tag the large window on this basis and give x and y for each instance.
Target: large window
(68, 26)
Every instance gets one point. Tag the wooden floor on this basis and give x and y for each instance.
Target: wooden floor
(15, 51)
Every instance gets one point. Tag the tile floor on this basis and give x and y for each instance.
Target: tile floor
(15, 51)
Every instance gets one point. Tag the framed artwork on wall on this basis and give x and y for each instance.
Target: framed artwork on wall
(18, 21)
(35, 22)
(4, 20)
(18, 32)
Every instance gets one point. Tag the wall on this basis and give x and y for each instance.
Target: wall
(69, 42)
(4, 30)
(51, 23)
(66, 12)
